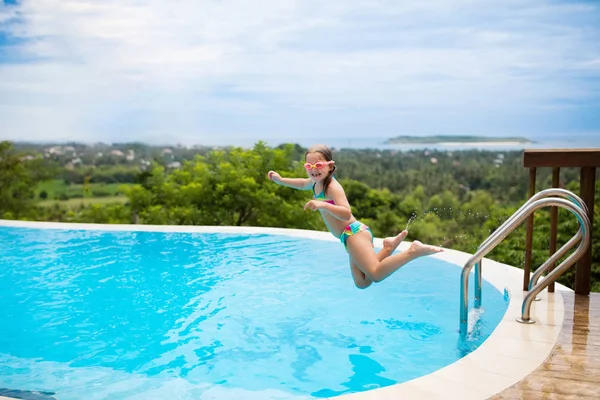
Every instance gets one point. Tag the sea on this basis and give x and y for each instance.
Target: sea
(556, 141)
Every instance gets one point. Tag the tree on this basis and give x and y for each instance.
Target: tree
(18, 179)
(224, 188)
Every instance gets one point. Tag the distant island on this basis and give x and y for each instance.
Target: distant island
(457, 140)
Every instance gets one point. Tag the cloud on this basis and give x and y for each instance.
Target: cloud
(190, 70)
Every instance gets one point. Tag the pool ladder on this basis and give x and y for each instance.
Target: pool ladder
(545, 198)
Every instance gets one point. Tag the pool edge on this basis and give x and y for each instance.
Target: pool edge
(509, 354)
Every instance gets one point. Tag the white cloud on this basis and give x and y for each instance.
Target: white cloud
(136, 69)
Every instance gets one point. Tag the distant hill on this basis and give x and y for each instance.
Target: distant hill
(454, 139)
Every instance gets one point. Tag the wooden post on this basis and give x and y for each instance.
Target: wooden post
(582, 278)
(529, 233)
(588, 160)
(553, 223)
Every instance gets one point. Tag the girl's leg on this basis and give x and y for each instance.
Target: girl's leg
(360, 279)
(390, 244)
(360, 249)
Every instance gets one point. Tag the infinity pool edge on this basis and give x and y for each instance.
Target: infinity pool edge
(509, 354)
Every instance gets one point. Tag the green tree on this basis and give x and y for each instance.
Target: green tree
(225, 188)
(18, 180)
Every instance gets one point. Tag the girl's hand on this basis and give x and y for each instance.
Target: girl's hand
(274, 176)
(314, 205)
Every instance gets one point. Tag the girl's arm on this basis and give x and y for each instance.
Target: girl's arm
(295, 183)
(341, 210)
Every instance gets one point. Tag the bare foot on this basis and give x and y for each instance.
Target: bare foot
(421, 249)
(391, 243)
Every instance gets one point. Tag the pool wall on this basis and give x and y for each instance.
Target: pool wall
(508, 355)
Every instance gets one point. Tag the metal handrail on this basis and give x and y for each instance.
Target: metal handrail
(552, 192)
(554, 258)
(512, 223)
(584, 224)
(539, 195)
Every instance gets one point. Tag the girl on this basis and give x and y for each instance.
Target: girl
(366, 265)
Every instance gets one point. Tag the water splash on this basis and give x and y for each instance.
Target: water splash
(414, 216)
(411, 220)
(474, 316)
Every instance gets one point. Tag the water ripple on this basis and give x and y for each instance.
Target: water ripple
(260, 314)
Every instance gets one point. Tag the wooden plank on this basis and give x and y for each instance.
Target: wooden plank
(553, 223)
(572, 371)
(529, 234)
(584, 265)
(561, 158)
(531, 394)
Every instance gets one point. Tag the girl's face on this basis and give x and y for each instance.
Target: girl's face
(317, 167)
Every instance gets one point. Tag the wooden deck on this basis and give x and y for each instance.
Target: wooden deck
(572, 370)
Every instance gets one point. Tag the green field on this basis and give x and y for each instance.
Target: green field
(72, 196)
(57, 189)
(73, 204)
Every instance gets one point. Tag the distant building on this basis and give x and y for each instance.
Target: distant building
(54, 150)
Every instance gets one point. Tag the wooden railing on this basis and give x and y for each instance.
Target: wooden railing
(587, 160)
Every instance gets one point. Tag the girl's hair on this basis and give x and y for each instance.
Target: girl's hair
(328, 156)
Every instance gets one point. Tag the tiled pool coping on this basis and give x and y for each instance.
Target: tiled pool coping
(509, 354)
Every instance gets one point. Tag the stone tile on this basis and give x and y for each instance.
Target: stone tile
(438, 388)
(506, 366)
(480, 380)
(538, 313)
(517, 348)
(535, 332)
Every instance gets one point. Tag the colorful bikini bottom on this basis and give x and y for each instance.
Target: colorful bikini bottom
(353, 229)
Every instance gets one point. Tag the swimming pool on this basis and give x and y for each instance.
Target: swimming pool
(137, 314)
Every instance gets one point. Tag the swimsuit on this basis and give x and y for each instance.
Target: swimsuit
(352, 229)
(321, 196)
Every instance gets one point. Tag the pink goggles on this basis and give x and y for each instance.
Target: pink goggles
(318, 165)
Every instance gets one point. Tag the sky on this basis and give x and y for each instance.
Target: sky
(214, 72)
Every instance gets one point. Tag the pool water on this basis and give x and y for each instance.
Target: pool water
(141, 315)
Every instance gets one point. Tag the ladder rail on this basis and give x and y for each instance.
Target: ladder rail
(551, 192)
(512, 223)
(558, 271)
(554, 258)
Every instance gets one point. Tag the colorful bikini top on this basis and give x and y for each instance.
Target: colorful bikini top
(321, 196)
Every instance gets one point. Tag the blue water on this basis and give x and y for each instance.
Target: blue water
(540, 141)
(142, 315)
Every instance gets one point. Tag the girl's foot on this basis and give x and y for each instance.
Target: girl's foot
(420, 249)
(391, 243)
